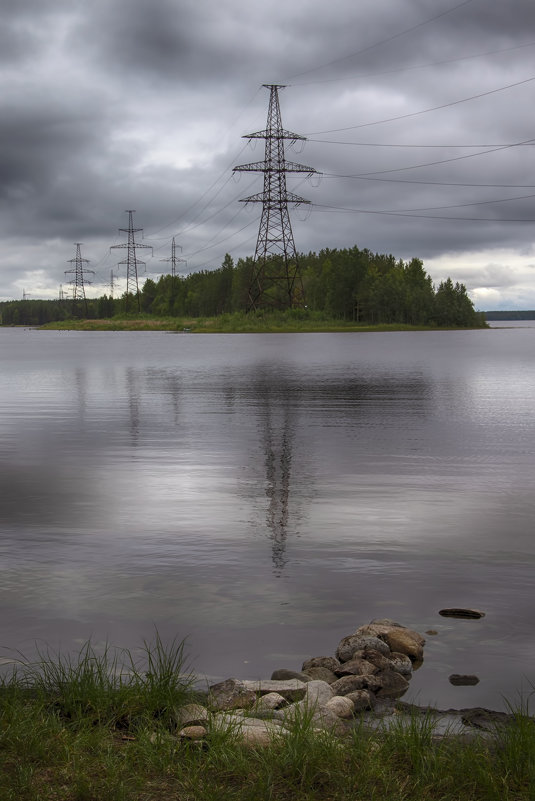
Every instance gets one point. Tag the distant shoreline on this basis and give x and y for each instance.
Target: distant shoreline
(214, 326)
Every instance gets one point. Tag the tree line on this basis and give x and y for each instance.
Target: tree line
(345, 284)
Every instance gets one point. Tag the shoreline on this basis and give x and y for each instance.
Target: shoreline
(213, 326)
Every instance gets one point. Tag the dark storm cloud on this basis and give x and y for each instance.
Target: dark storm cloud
(143, 105)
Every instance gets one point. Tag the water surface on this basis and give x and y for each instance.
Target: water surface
(264, 495)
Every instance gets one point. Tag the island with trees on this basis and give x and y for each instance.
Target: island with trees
(345, 288)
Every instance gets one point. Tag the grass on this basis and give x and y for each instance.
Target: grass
(100, 726)
(290, 321)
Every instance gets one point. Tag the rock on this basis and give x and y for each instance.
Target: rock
(356, 642)
(485, 719)
(401, 664)
(254, 736)
(190, 715)
(376, 658)
(398, 638)
(321, 674)
(320, 717)
(385, 621)
(269, 702)
(193, 732)
(358, 666)
(341, 705)
(393, 685)
(283, 675)
(362, 700)
(328, 662)
(431, 632)
(318, 693)
(473, 614)
(380, 627)
(348, 684)
(291, 689)
(249, 731)
(231, 694)
(460, 680)
(236, 722)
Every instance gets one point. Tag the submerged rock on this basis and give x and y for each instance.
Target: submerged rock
(473, 614)
(462, 680)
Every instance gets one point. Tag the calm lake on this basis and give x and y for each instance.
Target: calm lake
(265, 495)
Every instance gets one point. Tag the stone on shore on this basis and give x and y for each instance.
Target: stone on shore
(291, 689)
(393, 685)
(190, 715)
(318, 693)
(398, 638)
(349, 684)
(341, 705)
(363, 700)
(269, 702)
(357, 666)
(328, 662)
(357, 642)
(401, 664)
(322, 674)
(283, 675)
(231, 694)
(193, 733)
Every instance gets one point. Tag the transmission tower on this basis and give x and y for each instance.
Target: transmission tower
(131, 260)
(276, 279)
(173, 258)
(79, 281)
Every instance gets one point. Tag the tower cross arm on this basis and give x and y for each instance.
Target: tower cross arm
(129, 244)
(292, 166)
(275, 133)
(269, 166)
(254, 166)
(261, 197)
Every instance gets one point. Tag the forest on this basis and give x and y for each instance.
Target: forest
(341, 284)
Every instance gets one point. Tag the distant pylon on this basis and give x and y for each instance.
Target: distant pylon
(173, 258)
(79, 281)
(131, 260)
(276, 279)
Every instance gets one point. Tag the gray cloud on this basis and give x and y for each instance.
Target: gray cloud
(144, 105)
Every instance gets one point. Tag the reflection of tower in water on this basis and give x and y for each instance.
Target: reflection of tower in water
(278, 434)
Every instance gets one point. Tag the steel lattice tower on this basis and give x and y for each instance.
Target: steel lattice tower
(79, 281)
(173, 258)
(276, 279)
(131, 260)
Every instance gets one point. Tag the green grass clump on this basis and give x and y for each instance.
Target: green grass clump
(100, 726)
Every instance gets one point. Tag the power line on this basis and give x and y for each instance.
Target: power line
(383, 41)
(441, 161)
(425, 110)
(527, 142)
(398, 70)
(422, 216)
(428, 183)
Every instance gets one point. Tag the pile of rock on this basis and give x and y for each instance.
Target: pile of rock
(374, 663)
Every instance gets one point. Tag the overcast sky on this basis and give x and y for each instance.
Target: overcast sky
(418, 113)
